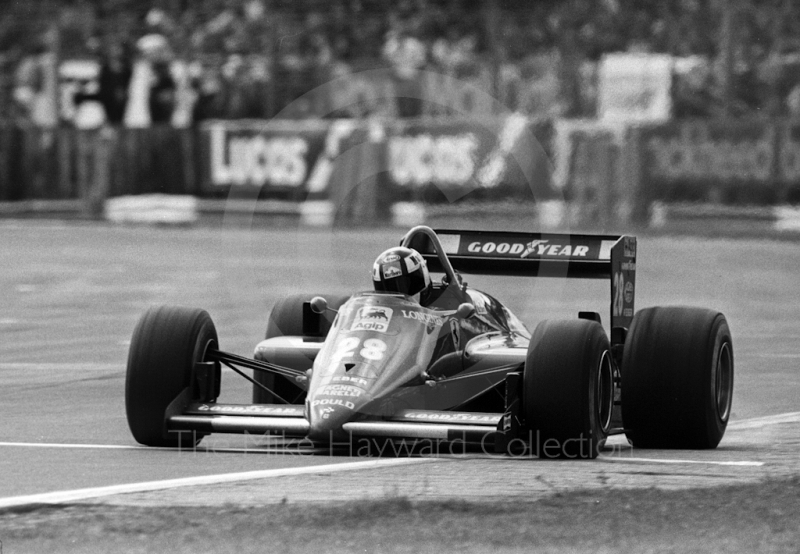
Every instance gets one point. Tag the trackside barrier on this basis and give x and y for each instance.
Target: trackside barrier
(775, 218)
(609, 176)
(152, 209)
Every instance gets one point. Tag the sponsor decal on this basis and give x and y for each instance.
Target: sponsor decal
(495, 248)
(748, 157)
(391, 258)
(372, 318)
(422, 159)
(428, 319)
(440, 416)
(250, 409)
(333, 402)
(256, 159)
(350, 379)
(326, 412)
(392, 270)
(628, 266)
(456, 334)
(413, 262)
(622, 294)
(341, 390)
(628, 292)
(538, 247)
(544, 248)
(629, 247)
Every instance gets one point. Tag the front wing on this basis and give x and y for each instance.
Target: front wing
(289, 421)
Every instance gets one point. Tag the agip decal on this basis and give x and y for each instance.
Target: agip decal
(372, 318)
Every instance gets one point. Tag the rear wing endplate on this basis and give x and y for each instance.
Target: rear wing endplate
(610, 257)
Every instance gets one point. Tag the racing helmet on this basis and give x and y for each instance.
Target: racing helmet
(401, 269)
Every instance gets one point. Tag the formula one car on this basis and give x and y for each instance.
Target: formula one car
(460, 367)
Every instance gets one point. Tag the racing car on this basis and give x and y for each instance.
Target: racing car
(454, 366)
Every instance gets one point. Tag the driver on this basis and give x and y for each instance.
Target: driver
(403, 270)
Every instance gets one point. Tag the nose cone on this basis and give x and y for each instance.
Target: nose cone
(330, 408)
(326, 420)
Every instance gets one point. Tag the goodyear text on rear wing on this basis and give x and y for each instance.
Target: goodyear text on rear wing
(570, 256)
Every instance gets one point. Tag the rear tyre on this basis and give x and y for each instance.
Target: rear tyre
(568, 389)
(286, 319)
(166, 343)
(677, 378)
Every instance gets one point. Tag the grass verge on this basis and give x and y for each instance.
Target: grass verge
(762, 517)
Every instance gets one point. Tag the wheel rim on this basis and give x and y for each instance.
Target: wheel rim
(604, 392)
(723, 386)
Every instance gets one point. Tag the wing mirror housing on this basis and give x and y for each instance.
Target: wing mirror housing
(319, 305)
(465, 310)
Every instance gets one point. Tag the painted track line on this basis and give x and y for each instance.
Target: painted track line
(63, 366)
(620, 459)
(759, 422)
(62, 497)
(67, 445)
(98, 492)
(266, 449)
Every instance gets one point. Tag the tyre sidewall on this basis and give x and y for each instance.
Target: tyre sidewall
(669, 372)
(559, 389)
(166, 344)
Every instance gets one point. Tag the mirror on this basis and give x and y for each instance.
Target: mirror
(465, 311)
(319, 305)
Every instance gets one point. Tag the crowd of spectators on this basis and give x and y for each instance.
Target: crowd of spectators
(182, 61)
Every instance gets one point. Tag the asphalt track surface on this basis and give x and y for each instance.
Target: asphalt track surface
(72, 292)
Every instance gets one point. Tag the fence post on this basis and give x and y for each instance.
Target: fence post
(65, 148)
(103, 140)
(632, 190)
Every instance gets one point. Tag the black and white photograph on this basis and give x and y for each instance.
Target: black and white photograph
(399, 276)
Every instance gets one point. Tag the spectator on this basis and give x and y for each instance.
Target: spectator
(115, 78)
(36, 84)
(152, 89)
(209, 89)
(162, 93)
(407, 55)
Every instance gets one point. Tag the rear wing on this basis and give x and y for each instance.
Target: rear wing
(610, 257)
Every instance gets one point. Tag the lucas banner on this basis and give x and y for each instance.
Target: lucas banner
(307, 158)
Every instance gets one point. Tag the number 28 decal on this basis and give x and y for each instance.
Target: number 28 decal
(372, 350)
(619, 299)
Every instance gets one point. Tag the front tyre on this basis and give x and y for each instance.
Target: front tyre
(166, 343)
(568, 389)
(677, 378)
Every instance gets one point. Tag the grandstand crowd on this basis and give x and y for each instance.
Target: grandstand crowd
(183, 61)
